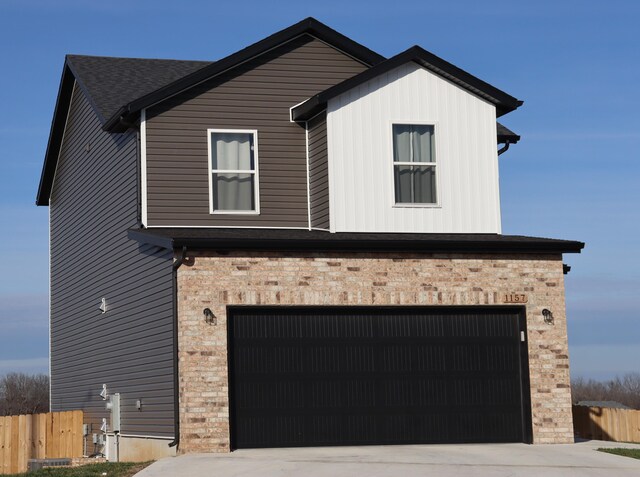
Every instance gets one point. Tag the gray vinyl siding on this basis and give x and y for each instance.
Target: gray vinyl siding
(318, 172)
(129, 348)
(255, 95)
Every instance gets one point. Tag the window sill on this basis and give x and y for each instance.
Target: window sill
(235, 212)
(417, 206)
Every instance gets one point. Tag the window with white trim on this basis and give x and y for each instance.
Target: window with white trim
(233, 158)
(414, 164)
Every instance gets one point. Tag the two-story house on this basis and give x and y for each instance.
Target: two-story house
(297, 245)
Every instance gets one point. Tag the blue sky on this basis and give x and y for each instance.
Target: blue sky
(574, 175)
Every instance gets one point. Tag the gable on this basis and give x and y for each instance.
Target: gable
(503, 102)
(361, 165)
(308, 26)
(254, 96)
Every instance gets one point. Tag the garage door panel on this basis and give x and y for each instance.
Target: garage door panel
(330, 376)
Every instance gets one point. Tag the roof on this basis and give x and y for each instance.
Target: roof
(119, 88)
(505, 134)
(111, 82)
(309, 26)
(609, 404)
(504, 102)
(107, 82)
(314, 240)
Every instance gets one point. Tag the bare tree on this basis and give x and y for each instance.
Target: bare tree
(24, 394)
(625, 390)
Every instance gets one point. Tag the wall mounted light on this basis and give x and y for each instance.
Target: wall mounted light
(103, 305)
(209, 317)
(547, 316)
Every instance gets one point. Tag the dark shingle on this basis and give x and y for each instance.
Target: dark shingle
(505, 134)
(111, 82)
(280, 239)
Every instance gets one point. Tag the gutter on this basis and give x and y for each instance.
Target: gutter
(176, 381)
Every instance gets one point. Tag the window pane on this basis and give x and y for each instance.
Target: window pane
(413, 143)
(233, 192)
(232, 151)
(415, 184)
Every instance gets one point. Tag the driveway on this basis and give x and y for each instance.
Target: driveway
(489, 460)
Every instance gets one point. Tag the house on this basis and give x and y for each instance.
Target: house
(297, 245)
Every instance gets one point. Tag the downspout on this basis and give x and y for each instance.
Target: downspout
(176, 381)
(505, 148)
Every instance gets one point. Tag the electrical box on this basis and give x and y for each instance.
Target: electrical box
(113, 405)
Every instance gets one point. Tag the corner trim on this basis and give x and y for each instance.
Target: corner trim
(143, 166)
(306, 137)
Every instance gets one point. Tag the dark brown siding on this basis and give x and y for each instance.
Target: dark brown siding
(256, 95)
(319, 172)
(129, 348)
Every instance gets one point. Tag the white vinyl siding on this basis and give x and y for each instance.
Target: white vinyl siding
(361, 165)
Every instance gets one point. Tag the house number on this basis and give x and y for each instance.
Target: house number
(515, 298)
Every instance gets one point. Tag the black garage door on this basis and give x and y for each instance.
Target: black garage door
(349, 376)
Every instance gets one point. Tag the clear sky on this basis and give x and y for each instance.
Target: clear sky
(574, 175)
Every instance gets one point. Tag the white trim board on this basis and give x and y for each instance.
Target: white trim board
(143, 167)
(306, 137)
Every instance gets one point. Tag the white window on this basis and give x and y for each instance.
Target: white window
(233, 162)
(414, 164)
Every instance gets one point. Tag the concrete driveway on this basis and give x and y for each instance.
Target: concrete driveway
(489, 460)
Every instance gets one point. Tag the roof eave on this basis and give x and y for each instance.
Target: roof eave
(511, 138)
(56, 133)
(350, 245)
(503, 102)
(309, 26)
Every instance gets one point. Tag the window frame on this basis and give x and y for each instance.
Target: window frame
(255, 172)
(436, 165)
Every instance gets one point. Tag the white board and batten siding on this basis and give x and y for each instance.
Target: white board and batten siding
(361, 158)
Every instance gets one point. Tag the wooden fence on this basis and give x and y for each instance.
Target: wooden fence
(606, 424)
(39, 436)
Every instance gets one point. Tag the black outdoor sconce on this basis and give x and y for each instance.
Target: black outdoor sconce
(548, 316)
(209, 317)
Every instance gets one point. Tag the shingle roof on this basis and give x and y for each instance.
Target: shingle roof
(506, 134)
(503, 102)
(308, 26)
(314, 240)
(111, 82)
(119, 88)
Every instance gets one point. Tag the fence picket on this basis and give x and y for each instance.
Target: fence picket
(39, 436)
(5, 435)
(607, 424)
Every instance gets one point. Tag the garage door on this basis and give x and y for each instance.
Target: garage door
(352, 376)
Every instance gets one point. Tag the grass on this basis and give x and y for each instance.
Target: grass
(633, 453)
(110, 469)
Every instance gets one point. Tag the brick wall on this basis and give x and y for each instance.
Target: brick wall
(215, 280)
